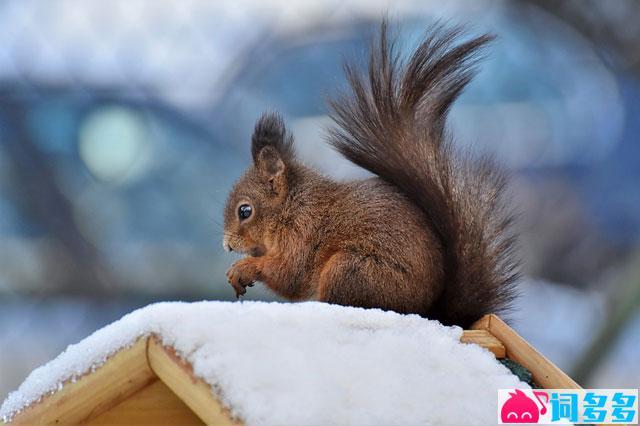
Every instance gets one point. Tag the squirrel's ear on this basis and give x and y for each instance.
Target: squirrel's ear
(271, 166)
(272, 150)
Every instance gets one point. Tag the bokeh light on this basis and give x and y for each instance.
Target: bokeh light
(115, 146)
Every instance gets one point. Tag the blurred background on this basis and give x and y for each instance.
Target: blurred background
(124, 123)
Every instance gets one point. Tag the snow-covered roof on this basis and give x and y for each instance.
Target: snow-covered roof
(307, 363)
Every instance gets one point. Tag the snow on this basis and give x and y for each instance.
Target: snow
(303, 364)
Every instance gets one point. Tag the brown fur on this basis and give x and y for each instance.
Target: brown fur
(429, 235)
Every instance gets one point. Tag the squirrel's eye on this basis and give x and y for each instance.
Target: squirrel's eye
(244, 211)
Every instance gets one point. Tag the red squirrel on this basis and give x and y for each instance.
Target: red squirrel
(430, 234)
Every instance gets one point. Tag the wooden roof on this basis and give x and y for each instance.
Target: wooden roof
(149, 383)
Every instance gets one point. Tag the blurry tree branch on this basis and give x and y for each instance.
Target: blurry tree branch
(610, 25)
(613, 28)
(624, 303)
(39, 198)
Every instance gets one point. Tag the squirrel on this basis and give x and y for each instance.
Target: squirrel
(430, 234)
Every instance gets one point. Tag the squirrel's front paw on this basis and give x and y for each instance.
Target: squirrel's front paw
(242, 274)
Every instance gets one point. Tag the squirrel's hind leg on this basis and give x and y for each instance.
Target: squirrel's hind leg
(367, 281)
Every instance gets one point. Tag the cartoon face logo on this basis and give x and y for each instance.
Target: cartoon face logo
(519, 408)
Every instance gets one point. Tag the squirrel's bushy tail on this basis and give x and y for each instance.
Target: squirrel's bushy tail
(392, 123)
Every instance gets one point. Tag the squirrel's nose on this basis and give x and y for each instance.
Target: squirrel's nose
(226, 245)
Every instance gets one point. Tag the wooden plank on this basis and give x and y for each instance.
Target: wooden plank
(545, 373)
(154, 405)
(122, 375)
(178, 376)
(482, 323)
(484, 339)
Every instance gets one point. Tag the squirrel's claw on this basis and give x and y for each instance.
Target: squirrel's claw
(241, 275)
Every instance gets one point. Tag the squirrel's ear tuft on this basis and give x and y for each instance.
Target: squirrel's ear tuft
(271, 132)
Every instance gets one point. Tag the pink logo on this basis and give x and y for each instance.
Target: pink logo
(519, 408)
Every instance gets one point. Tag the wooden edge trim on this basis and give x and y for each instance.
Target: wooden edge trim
(123, 374)
(178, 376)
(545, 373)
(486, 340)
(482, 324)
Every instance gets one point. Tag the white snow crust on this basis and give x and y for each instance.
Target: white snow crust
(303, 364)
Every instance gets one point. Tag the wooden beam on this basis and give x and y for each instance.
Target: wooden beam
(122, 375)
(154, 405)
(178, 376)
(544, 372)
(486, 340)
